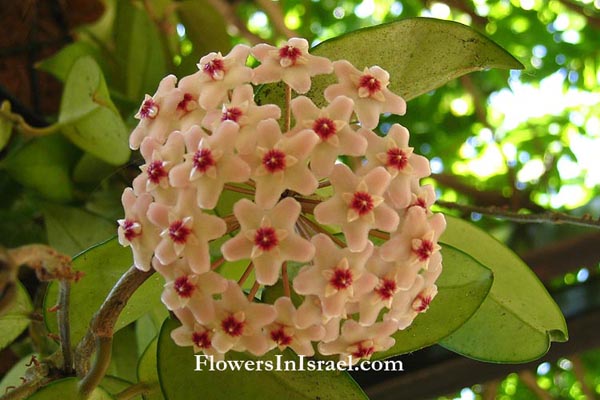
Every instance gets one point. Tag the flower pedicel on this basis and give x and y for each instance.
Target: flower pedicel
(350, 255)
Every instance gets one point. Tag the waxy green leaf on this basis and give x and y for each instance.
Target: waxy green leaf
(421, 54)
(179, 380)
(462, 287)
(147, 372)
(89, 118)
(518, 319)
(16, 318)
(102, 266)
(66, 389)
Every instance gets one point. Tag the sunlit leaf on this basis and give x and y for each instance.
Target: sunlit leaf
(71, 230)
(61, 62)
(148, 373)
(43, 165)
(179, 380)
(66, 389)
(518, 319)
(462, 287)
(16, 318)
(103, 265)
(89, 118)
(421, 54)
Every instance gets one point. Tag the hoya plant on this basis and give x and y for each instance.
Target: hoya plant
(274, 217)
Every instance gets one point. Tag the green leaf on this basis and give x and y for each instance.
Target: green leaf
(14, 375)
(66, 389)
(5, 126)
(147, 371)
(61, 62)
(90, 169)
(43, 165)
(89, 118)
(519, 319)
(148, 327)
(114, 385)
(16, 318)
(462, 287)
(179, 380)
(71, 230)
(123, 361)
(421, 54)
(103, 265)
(139, 51)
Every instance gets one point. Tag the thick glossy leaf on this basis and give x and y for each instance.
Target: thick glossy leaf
(88, 116)
(16, 318)
(103, 265)
(114, 385)
(462, 287)
(179, 380)
(518, 319)
(61, 62)
(421, 54)
(5, 126)
(71, 230)
(43, 165)
(123, 361)
(91, 169)
(148, 373)
(148, 327)
(139, 50)
(66, 389)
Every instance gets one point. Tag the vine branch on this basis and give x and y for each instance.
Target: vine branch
(549, 217)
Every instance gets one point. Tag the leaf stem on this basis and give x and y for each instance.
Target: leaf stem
(22, 125)
(253, 291)
(135, 390)
(548, 217)
(286, 280)
(246, 273)
(319, 229)
(217, 263)
(99, 368)
(238, 189)
(64, 327)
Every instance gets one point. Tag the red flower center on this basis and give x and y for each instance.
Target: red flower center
(324, 127)
(280, 337)
(362, 203)
(290, 52)
(183, 104)
(178, 232)
(397, 158)
(341, 279)
(265, 238)
(203, 160)
(370, 83)
(274, 160)
(201, 339)
(214, 67)
(232, 327)
(363, 351)
(386, 289)
(149, 109)
(156, 171)
(425, 250)
(421, 303)
(231, 114)
(129, 229)
(420, 202)
(184, 287)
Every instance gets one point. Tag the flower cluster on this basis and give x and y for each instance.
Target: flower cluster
(325, 255)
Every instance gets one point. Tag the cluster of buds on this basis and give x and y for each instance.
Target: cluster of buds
(351, 254)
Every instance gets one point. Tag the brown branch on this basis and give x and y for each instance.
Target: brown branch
(276, 17)
(548, 217)
(228, 12)
(103, 322)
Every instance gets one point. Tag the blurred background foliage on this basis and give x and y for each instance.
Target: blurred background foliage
(524, 140)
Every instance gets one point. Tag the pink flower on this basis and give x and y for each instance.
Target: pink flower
(357, 205)
(185, 231)
(369, 91)
(279, 163)
(393, 153)
(189, 111)
(422, 197)
(157, 113)
(290, 63)
(416, 239)
(337, 276)
(210, 163)
(220, 74)
(192, 333)
(160, 159)
(331, 125)
(267, 238)
(243, 111)
(360, 342)
(135, 229)
(187, 289)
(239, 323)
(283, 333)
